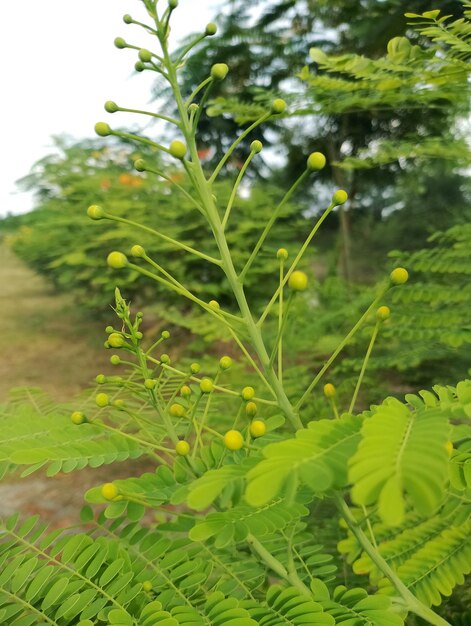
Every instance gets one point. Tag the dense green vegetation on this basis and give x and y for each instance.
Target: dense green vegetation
(278, 496)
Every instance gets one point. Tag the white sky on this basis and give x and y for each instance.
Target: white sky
(59, 66)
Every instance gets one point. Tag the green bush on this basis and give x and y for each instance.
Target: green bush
(245, 477)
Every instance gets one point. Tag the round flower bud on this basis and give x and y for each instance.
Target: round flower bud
(256, 146)
(111, 107)
(177, 410)
(251, 409)
(257, 428)
(139, 165)
(298, 281)
(383, 313)
(139, 66)
(214, 304)
(206, 385)
(101, 400)
(399, 276)
(177, 149)
(145, 55)
(316, 161)
(165, 334)
(150, 383)
(119, 404)
(278, 106)
(185, 391)
(282, 254)
(138, 251)
(120, 43)
(139, 335)
(195, 368)
(211, 29)
(127, 19)
(115, 340)
(100, 379)
(78, 418)
(233, 440)
(339, 197)
(164, 358)
(193, 107)
(117, 260)
(219, 71)
(247, 393)
(109, 330)
(115, 359)
(225, 362)
(147, 585)
(95, 212)
(109, 491)
(329, 390)
(173, 4)
(182, 448)
(102, 129)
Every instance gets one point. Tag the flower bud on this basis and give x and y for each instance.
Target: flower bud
(127, 19)
(145, 55)
(111, 107)
(177, 149)
(316, 161)
(297, 281)
(210, 30)
(102, 129)
(339, 197)
(120, 43)
(95, 212)
(278, 106)
(329, 390)
(117, 260)
(256, 146)
(399, 276)
(383, 313)
(138, 251)
(219, 71)
(225, 362)
(282, 254)
(139, 165)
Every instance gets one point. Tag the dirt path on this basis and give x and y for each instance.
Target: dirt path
(43, 342)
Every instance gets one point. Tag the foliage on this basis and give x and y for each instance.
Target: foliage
(56, 238)
(239, 472)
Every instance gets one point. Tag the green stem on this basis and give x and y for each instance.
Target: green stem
(159, 116)
(176, 243)
(281, 328)
(364, 366)
(270, 223)
(235, 188)
(240, 138)
(276, 566)
(295, 263)
(413, 604)
(340, 347)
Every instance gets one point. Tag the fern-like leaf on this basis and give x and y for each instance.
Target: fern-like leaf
(317, 458)
(402, 452)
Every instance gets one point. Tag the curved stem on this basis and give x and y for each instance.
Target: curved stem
(413, 604)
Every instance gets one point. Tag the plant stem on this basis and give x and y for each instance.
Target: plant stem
(339, 348)
(364, 366)
(203, 187)
(277, 567)
(413, 604)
